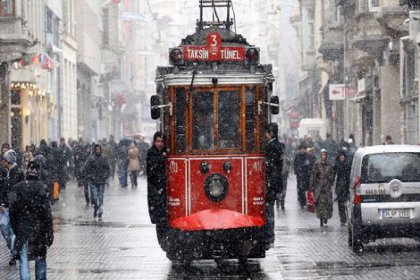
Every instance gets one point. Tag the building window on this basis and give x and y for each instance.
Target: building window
(7, 7)
(49, 21)
(374, 5)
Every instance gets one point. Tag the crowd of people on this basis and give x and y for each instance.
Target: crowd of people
(28, 177)
(318, 165)
(27, 180)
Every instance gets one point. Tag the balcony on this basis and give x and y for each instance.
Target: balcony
(392, 20)
(362, 59)
(369, 35)
(332, 47)
(13, 41)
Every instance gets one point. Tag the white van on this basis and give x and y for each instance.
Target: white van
(384, 194)
(312, 128)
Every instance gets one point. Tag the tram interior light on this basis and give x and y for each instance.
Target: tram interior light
(253, 56)
(176, 56)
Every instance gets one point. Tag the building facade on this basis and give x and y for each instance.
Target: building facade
(366, 48)
(88, 34)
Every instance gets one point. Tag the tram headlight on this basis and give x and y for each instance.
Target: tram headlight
(216, 187)
(176, 56)
(253, 56)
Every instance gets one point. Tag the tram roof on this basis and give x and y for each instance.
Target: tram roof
(226, 74)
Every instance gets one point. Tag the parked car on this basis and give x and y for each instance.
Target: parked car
(384, 194)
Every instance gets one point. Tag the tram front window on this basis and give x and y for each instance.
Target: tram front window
(229, 120)
(203, 116)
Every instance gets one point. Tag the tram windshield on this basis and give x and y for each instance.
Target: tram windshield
(227, 117)
(229, 121)
(203, 120)
(217, 119)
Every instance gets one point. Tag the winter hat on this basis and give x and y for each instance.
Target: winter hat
(34, 169)
(10, 156)
(342, 153)
(97, 146)
(323, 151)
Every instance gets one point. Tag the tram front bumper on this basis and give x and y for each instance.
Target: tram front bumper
(216, 219)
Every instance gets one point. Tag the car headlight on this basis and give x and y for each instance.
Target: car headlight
(216, 187)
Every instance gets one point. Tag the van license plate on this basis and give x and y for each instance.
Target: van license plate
(395, 213)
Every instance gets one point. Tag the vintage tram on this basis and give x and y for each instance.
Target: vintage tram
(213, 103)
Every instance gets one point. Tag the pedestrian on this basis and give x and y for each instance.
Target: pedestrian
(332, 148)
(45, 158)
(27, 158)
(322, 180)
(281, 198)
(4, 148)
(122, 157)
(70, 170)
(87, 189)
(156, 186)
(133, 164)
(143, 147)
(342, 169)
(13, 177)
(299, 169)
(64, 162)
(31, 218)
(274, 163)
(111, 150)
(5, 226)
(97, 172)
(66, 156)
(308, 165)
(388, 140)
(351, 151)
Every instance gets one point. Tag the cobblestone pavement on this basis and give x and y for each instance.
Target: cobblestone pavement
(124, 246)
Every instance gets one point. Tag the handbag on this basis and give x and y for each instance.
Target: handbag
(310, 203)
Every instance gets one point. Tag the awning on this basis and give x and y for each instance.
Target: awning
(22, 75)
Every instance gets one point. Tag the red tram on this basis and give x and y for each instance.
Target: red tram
(213, 103)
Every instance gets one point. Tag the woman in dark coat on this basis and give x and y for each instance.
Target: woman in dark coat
(322, 180)
(156, 185)
(31, 218)
(342, 169)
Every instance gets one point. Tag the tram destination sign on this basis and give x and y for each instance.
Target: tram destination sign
(213, 51)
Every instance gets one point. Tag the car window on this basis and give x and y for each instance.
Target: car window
(384, 167)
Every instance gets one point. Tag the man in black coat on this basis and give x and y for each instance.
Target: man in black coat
(97, 171)
(274, 184)
(4, 214)
(156, 185)
(14, 176)
(31, 218)
(342, 186)
(63, 163)
(45, 158)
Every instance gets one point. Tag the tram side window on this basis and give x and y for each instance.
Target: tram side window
(203, 116)
(250, 119)
(180, 121)
(229, 120)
